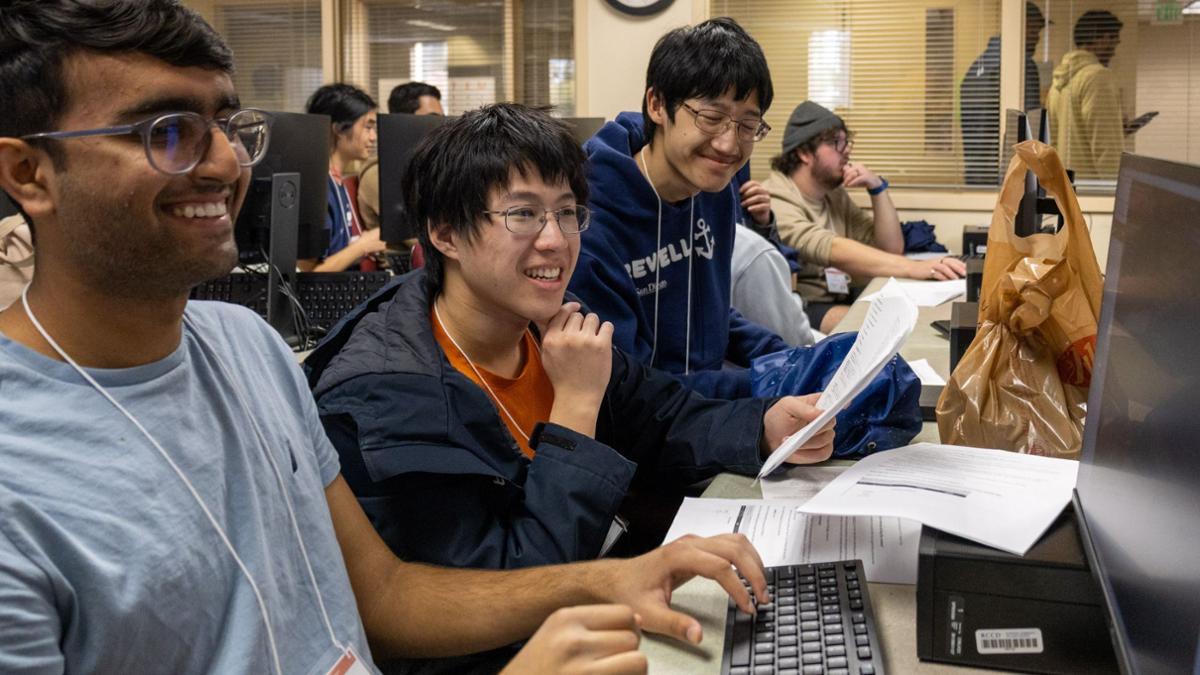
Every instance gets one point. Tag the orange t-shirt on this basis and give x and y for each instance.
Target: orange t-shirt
(528, 397)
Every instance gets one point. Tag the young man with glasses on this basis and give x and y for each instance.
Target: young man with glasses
(665, 198)
(483, 421)
(169, 501)
(837, 241)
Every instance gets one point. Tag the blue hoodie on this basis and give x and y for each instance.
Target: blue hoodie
(626, 267)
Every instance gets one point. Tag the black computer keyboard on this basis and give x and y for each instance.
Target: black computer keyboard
(819, 621)
(325, 296)
(328, 296)
(247, 290)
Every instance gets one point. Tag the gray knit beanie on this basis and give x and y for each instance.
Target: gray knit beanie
(808, 120)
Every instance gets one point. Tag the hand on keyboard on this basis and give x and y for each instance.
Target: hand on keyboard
(645, 583)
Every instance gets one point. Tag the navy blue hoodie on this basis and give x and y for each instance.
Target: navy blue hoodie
(626, 267)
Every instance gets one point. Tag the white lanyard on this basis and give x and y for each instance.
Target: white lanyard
(195, 493)
(478, 374)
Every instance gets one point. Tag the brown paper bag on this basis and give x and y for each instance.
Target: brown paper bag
(1022, 383)
(16, 258)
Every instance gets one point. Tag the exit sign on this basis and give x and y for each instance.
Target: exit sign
(1167, 12)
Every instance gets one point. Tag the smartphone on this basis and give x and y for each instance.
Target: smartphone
(1141, 121)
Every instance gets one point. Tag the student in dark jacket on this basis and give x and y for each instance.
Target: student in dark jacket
(481, 420)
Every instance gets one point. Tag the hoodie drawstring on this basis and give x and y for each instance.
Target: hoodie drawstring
(687, 343)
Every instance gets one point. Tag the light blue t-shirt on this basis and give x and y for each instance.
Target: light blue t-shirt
(108, 564)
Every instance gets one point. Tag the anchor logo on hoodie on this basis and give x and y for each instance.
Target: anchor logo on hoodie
(702, 244)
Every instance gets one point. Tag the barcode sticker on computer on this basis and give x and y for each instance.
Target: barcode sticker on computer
(1008, 641)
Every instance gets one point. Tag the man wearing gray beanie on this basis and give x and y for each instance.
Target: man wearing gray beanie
(838, 241)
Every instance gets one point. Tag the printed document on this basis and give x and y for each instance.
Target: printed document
(1001, 499)
(783, 535)
(887, 325)
(926, 293)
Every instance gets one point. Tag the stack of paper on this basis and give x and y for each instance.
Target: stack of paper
(888, 324)
(1001, 499)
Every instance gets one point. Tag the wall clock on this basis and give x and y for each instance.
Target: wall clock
(640, 7)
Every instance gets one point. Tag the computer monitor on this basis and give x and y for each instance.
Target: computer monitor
(1138, 491)
(7, 207)
(399, 135)
(299, 144)
(584, 128)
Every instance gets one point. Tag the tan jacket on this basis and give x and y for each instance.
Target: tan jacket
(16, 258)
(1085, 116)
(809, 227)
(368, 195)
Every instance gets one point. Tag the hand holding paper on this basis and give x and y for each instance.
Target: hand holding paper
(888, 324)
(790, 414)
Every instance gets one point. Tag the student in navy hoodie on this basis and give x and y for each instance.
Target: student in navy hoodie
(665, 200)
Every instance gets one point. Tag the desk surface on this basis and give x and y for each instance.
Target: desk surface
(895, 605)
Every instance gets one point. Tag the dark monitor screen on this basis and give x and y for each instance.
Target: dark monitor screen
(299, 144)
(1139, 478)
(399, 135)
(584, 127)
(7, 208)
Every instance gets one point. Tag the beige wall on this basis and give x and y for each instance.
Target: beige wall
(612, 50)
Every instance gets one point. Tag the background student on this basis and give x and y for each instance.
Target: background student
(352, 118)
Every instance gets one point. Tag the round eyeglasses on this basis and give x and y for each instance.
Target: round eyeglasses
(714, 123)
(841, 144)
(531, 219)
(175, 143)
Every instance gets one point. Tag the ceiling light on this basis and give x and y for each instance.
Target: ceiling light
(422, 23)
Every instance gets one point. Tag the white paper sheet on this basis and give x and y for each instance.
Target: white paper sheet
(782, 535)
(798, 481)
(925, 372)
(887, 325)
(927, 293)
(997, 498)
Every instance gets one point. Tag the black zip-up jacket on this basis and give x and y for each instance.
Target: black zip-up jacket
(444, 482)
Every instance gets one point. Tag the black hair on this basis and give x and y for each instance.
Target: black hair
(406, 98)
(705, 61)
(344, 103)
(1033, 16)
(788, 162)
(1094, 25)
(37, 37)
(455, 167)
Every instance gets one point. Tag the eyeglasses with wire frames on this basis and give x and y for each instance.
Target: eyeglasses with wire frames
(841, 143)
(714, 123)
(176, 142)
(526, 219)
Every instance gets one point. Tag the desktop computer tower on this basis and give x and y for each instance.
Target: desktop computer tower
(1038, 613)
(964, 322)
(974, 278)
(974, 240)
